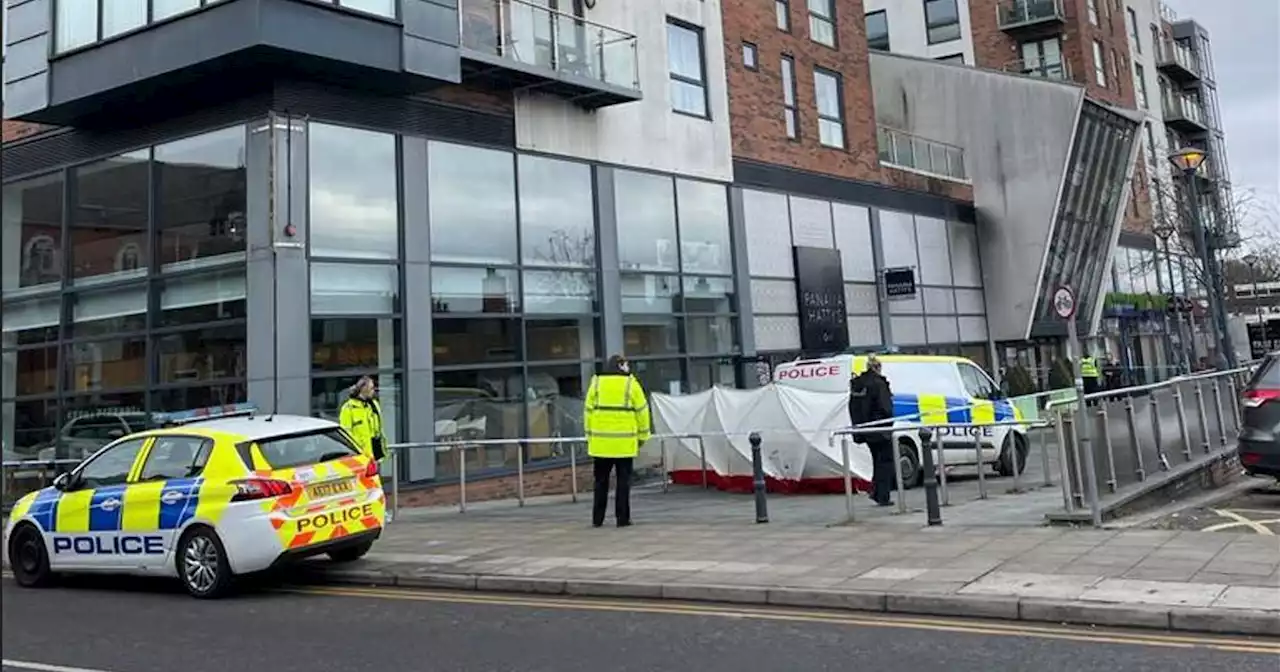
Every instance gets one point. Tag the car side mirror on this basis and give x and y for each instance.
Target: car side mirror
(62, 482)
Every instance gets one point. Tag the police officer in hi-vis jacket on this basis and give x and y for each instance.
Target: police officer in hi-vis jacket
(616, 420)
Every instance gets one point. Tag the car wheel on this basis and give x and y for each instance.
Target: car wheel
(912, 475)
(202, 564)
(1004, 466)
(29, 558)
(350, 553)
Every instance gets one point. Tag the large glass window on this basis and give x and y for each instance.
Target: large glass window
(789, 111)
(201, 355)
(645, 210)
(110, 220)
(1043, 58)
(471, 193)
(822, 22)
(471, 290)
(830, 108)
(878, 30)
(188, 300)
(340, 344)
(353, 209)
(200, 200)
(75, 23)
(111, 364)
(329, 393)
(1099, 64)
(942, 18)
(119, 16)
(163, 9)
(688, 76)
(385, 8)
(704, 227)
(78, 23)
(31, 236)
(557, 213)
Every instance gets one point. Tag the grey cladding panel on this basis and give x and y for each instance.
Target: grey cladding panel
(27, 20)
(430, 21)
(298, 27)
(432, 59)
(26, 58)
(26, 95)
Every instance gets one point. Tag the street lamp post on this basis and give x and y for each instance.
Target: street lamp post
(1189, 161)
(1182, 361)
(1251, 260)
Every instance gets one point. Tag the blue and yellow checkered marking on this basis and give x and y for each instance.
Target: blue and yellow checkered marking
(937, 409)
(139, 507)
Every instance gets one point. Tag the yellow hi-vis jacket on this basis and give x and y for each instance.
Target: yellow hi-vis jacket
(363, 421)
(616, 416)
(1088, 367)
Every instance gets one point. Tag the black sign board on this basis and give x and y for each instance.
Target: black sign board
(824, 323)
(900, 283)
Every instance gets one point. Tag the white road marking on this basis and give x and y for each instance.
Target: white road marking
(43, 667)
(1238, 520)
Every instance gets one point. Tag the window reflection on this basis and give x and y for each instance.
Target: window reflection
(708, 295)
(31, 321)
(28, 426)
(107, 312)
(457, 341)
(662, 375)
(645, 209)
(355, 343)
(119, 16)
(484, 404)
(474, 290)
(91, 421)
(75, 23)
(163, 9)
(559, 292)
(555, 398)
(212, 353)
(197, 299)
(32, 234)
(472, 204)
(557, 212)
(561, 339)
(650, 335)
(109, 222)
(705, 374)
(30, 372)
(107, 365)
(709, 334)
(354, 289)
(704, 227)
(354, 210)
(650, 293)
(200, 200)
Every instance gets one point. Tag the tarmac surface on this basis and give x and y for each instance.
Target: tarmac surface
(114, 625)
(1253, 509)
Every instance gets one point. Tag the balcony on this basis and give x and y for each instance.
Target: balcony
(902, 150)
(1056, 71)
(1183, 113)
(516, 44)
(1178, 61)
(1030, 16)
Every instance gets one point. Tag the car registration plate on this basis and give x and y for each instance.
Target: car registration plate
(331, 488)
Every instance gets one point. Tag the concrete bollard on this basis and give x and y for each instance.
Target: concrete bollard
(757, 472)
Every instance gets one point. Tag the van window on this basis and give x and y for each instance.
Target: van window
(976, 382)
(921, 377)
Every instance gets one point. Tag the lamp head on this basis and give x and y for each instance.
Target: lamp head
(1189, 160)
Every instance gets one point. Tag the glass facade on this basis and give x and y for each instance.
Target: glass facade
(124, 291)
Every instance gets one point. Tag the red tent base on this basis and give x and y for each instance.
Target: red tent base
(744, 484)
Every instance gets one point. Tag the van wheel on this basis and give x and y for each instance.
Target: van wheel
(912, 475)
(202, 564)
(29, 558)
(1004, 466)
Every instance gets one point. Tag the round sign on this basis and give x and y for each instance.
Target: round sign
(1064, 302)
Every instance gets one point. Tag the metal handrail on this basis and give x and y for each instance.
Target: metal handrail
(1126, 391)
(1019, 12)
(889, 139)
(464, 445)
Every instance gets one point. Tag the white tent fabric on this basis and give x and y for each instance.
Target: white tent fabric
(795, 427)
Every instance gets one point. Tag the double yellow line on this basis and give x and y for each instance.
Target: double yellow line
(989, 628)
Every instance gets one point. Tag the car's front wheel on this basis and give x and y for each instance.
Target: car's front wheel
(350, 553)
(29, 558)
(1013, 443)
(202, 564)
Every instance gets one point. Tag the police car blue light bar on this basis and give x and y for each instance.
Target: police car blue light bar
(208, 413)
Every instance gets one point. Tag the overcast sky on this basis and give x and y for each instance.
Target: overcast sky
(1246, 60)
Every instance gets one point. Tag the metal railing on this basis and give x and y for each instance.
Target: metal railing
(20, 477)
(1016, 13)
(1173, 52)
(1135, 430)
(1057, 71)
(521, 445)
(531, 34)
(912, 152)
(1183, 106)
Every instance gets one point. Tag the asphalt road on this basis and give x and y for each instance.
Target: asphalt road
(116, 626)
(1255, 509)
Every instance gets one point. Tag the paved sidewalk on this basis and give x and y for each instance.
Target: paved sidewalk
(1183, 580)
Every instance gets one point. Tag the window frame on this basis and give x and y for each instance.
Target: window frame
(148, 21)
(1140, 86)
(888, 40)
(839, 82)
(1093, 12)
(1131, 17)
(750, 48)
(77, 475)
(930, 26)
(1099, 64)
(791, 110)
(203, 448)
(782, 15)
(704, 84)
(828, 19)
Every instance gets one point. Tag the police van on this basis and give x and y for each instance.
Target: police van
(928, 389)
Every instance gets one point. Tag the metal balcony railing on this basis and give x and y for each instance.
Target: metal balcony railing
(1182, 107)
(1175, 55)
(531, 35)
(912, 152)
(1059, 71)
(1020, 13)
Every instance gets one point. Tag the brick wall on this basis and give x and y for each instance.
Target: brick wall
(755, 96)
(536, 484)
(16, 130)
(906, 179)
(473, 97)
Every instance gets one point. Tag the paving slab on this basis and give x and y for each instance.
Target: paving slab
(1045, 586)
(1171, 593)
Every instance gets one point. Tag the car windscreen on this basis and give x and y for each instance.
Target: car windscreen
(299, 450)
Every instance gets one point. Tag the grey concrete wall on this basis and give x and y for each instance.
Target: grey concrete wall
(1017, 134)
(419, 390)
(29, 37)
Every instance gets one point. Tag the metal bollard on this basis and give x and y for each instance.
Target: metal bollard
(395, 484)
(1183, 432)
(1064, 466)
(462, 479)
(1204, 419)
(702, 455)
(848, 479)
(1130, 419)
(1112, 484)
(520, 472)
(982, 471)
(757, 471)
(900, 486)
(1044, 455)
(942, 475)
(573, 471)
(1217, 408)
(666, 473)
(932, 511)
(1015, 458)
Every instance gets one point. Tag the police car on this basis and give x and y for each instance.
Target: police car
(203, 501)
(932, 390)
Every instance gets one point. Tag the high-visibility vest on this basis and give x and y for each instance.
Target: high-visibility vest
(615, 416)
(363, 421)
(1088, 367)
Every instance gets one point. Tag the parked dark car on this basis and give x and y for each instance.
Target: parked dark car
(1260, 421)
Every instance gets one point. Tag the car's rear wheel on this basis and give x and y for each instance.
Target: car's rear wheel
(350, 553)
(202, 564)
(29, 558)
